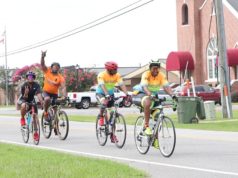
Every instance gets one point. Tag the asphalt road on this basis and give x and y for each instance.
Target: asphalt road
(204, 154)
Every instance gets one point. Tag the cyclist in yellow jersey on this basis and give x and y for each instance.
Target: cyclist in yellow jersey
(106, 83)
(151, 82)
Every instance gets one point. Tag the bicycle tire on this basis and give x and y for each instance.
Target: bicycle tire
(46, 128)
(119, 128)
(142, 141)
(63, 125)
(101, 132)
(166, 136)
(25, 133)
(36, 142)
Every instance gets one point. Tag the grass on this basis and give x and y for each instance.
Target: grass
(23, 162)
(219, 124)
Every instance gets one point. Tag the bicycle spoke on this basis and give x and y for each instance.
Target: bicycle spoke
(167, 137)
(101, 133)
(63, 125)
(120, 130)
(142, 141)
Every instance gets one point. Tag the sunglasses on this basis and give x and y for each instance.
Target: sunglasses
(30, 77)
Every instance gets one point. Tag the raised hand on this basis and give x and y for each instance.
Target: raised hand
(43, 54)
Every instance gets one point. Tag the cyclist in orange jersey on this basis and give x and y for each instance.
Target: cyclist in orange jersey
(53, 81)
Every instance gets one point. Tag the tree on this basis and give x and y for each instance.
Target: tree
(20, 74)
(79, 79)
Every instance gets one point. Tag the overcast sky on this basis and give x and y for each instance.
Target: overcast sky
(148, 32)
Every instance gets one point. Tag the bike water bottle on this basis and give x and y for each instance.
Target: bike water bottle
(28, 119)
(151, 123)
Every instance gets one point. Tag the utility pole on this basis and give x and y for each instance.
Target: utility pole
(6, 70)
(223, 67)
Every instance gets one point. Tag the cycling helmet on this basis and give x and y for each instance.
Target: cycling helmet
(110, 65)
(55, 63)
(31, 73)
(154, 63)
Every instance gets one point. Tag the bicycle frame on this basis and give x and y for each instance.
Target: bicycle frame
(32, 123)
(163, 130)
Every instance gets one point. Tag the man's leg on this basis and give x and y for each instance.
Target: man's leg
(23, 112)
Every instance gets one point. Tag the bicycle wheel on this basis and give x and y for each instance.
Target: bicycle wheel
(25, 133)
(101, 132)
(37, 129)
(166, 136)
(63, 125)
(141, 140)
(119, 129)
(46, 126)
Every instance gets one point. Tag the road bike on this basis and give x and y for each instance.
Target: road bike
(114, 124)
(58, 120)
(32, 123)
(162, 129)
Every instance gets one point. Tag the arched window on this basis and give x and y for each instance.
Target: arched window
(184, 14)
(212, 50)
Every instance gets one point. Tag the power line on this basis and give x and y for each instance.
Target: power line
(82, 28)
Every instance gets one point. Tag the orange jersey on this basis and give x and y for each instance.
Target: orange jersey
(48, 77)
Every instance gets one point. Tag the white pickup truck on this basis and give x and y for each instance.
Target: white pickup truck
(86, 99)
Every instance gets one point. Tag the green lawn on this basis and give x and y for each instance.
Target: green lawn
(23, 162)
(219, 124)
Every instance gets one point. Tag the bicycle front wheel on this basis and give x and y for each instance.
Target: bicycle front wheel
(142, 141)
(63, 125)
(36, 129)
(120, 130)
(46, 126)
(25, 133)
(166, 136)
(101, 132)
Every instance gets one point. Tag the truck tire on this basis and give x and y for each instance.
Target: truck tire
(126, 104)
(85, 103)
(78, 106)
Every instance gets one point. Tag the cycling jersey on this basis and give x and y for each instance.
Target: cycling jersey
(34, 89)
(153, 83)
(109, 81)
(49, 87)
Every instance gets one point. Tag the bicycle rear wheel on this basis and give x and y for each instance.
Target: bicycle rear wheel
(37, 129)
(166, 136)
(101, 132)
(25, 133)
(46, 126)
(141, 140)
(63, 125)
(120, 130)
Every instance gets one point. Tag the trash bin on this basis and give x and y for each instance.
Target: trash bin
(210, 110)
(187, 109)
(200, 109)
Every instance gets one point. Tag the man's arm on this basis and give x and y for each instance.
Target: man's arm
(104, 89)
(168, 90)
(63, 89)
(42, 62)
(146, 90)
(124, 89)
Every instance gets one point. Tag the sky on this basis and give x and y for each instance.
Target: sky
(132, 39)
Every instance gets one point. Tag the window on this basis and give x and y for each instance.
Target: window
(184, 14)
(212, 59)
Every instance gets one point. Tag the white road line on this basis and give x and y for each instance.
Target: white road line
(124, 159)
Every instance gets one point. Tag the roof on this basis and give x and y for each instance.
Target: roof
(232, 57)
(179, 61)
(121, 70)
(234, 4)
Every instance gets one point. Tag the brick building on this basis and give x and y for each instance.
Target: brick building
(197, 34)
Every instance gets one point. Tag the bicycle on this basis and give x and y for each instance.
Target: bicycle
(32, 125)
(162, 129)
(114, 124)
(58, 120)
